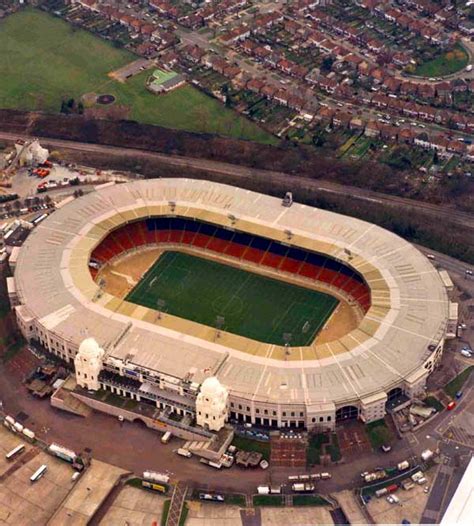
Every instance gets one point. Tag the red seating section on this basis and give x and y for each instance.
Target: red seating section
(135, 235)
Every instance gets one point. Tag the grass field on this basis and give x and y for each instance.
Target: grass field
(247, 444)
(456, 383)
(45, 59)
(253, 306)
(445, 64)
(379, 434)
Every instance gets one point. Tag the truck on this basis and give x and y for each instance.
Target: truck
(166, 437)
(417, 476)
(184, 452)
(155, 487)
(385, 491)
(303, 487)
(212, 497)
(426, 455)
(375, 475)
(401, 466)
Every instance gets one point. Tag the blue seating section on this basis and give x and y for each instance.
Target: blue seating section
(259, 250)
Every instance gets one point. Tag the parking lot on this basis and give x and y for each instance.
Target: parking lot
(22, 502)
(411, 506)
(135, 507)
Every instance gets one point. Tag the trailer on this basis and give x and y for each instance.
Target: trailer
(63, 453)
(154, 476)
(375, 475)
(303, 487)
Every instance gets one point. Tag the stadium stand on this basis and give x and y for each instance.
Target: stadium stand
(255, 249)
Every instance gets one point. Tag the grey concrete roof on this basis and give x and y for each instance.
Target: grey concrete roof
(409, 302)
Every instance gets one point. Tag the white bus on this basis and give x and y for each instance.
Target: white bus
(38, 473)
(15, 452)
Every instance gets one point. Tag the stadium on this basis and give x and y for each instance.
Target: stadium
(307, 318)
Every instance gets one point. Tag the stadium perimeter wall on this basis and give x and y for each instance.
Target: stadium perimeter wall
(284, 412)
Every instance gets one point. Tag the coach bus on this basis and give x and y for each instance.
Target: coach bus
(15, 452)
(38, 473)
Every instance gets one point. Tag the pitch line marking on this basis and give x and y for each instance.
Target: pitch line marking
(128, 278)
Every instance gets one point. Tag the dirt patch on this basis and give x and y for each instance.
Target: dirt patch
(288, 452)
(115, 112)
(89, 98)
(353, 439)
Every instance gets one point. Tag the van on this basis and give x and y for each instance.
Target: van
(184, 452)
(465, 353)
(166, 437)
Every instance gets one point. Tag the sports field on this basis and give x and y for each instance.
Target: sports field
(44, 60)
(252, 305)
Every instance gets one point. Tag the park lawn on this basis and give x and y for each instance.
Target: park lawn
(446, 64)
(309, 500)
(379, 434)
(45, 60)
(253, 306)
(247, 444)
(432, 401)
(316, 447)
(185, 108)
(456, 383)
(267, 500)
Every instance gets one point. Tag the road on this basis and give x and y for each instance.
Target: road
(438, 213)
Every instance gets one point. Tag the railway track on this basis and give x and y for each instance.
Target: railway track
(438, 212)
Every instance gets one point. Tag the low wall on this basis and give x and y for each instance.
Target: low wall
(130, 416)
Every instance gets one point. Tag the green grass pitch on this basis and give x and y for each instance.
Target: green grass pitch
(252, 305)
(44, 60)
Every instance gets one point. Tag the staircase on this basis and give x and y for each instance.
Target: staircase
(197, 446)
(177, 503)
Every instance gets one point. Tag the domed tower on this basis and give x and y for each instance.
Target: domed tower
(88, 363)
(212, 404)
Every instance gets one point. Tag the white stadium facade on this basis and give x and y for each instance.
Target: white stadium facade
(396, 344)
